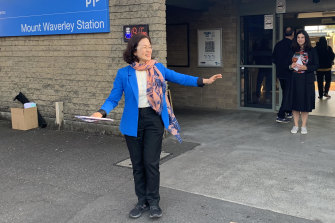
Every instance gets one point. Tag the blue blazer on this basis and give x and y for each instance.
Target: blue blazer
(126, 82)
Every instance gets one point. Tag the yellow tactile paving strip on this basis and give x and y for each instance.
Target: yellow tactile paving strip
(332, 86)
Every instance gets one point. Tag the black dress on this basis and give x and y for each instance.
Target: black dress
(301, 96)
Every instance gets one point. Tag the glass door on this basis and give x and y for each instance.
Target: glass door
(257, 88)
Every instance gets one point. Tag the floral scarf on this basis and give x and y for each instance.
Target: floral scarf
(156, 87)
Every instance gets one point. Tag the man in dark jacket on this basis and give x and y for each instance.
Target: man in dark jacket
(280, 57)
(326, 58)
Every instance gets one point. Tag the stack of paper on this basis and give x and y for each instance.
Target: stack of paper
(299, 61)
(93, 119)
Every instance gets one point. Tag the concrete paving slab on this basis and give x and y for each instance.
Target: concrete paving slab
(127, 162)
(57, 176)
(247, 158)
(179, 207)
(29, 202)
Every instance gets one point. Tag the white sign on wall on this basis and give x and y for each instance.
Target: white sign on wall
(281, 6)
(268, 21)
(210, 48)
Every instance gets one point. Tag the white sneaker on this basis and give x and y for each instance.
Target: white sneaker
(303, 130)
(294, 130)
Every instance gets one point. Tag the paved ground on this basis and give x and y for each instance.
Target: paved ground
(325, 106)
(234, 166)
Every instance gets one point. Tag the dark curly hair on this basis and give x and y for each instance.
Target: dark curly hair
(307, 44)
(128, 54)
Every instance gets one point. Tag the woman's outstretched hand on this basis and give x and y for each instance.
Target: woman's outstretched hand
(212, 79)
(96, 115)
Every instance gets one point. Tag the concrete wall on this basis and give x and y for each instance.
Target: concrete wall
(76, 69)
(222, 94)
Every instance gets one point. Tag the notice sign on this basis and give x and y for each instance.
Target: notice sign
(281, 6)
(129, 31)
(49, 17)
(209, 48)
(268, 21)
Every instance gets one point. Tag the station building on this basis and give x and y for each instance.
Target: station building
(196, 37)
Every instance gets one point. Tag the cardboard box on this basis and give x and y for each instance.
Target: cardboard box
(24, 118)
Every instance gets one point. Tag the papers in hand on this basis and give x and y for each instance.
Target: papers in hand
(93, 119)
(299, 61)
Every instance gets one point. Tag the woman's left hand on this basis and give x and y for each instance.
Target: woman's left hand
(301, 67)
(212, 79)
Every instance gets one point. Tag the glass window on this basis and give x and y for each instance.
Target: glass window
(256, 87)
(256, 42)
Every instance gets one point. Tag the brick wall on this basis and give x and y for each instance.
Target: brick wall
(76, 69)
(222, 94)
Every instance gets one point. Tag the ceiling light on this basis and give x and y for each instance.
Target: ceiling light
(316, 14)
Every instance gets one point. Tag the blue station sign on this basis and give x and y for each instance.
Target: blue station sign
(50, 17)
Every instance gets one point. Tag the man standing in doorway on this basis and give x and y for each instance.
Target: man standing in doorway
(280, 57)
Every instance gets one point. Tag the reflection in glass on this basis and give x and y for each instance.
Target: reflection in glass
(256, 42)
(277, 94)
(256, 87)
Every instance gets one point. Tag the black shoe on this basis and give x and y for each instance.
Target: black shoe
(155, 211)
(138, 210)
(327, 95)
(282, 120)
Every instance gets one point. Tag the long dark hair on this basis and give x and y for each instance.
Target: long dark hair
(128, 54)
(322, 46)
(307, 44)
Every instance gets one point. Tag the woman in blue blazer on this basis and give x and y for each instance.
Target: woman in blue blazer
(147, 111)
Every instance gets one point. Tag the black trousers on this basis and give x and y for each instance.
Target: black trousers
(145, 150)
(284, 84)
(328, 79)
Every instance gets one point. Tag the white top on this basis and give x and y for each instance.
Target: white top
(142, 89)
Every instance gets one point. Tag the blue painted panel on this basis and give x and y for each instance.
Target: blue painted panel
(49, 17)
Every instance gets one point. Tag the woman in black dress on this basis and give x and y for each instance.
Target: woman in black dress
(302, 93)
